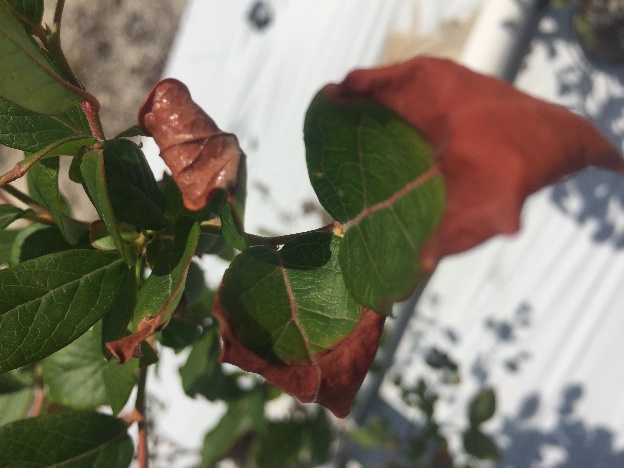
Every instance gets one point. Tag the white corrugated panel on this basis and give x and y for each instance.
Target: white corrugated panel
(540, 316)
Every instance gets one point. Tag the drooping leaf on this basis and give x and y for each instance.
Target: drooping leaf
(482, 406)
(374, 173)
(28, 78)
(77, 439)
(43, 187)
(10, 213)
(202, 158)
(48, 302)
(493, 144)
(287, 315)
(36, 240)
(94, 180)
(29, 131)
(480, 445)
(79, 376)
(132, 189)
(69, 146)
(160, 294)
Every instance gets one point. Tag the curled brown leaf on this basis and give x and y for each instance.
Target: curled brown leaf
(332, 379)
(494, 145)
(202, 158)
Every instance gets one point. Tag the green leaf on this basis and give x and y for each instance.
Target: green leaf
(238, 420)
(369, 169)
(77, 439)
(36, 240)
(115, 322)
(233, 213)
(280, 445)
(202, 373)
(15, 405)
(29, 131)
(163, 289)
(94, 180)
(134, 195)
(48, 302)
(319, 435)
(7, 239)
(134, 131)
(79, 376)
(482, 406)
(289, 305)
(31, 10)
(10, 213)
(28, 78)
(43, 187)
(102, 240)
(480, 445)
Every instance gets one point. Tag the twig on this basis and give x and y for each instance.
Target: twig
(44, 213)
(214, 227)
(39, 395)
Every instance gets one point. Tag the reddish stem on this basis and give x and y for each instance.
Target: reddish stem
(93, 117)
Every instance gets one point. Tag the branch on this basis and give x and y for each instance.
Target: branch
(213, 226)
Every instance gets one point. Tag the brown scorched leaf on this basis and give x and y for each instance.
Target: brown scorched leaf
(202, 158)
(494, 145)
(332, 380)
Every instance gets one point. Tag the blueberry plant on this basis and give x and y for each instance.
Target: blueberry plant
(413, 162)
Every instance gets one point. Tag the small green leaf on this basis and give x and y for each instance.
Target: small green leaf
(132, 189)
(77, 439)
(163, 288)
(7, 239)
(482, 407)
(480, 445)
(28, 78)
(78, 376)
(280, 445)
(48, 302)
(202, 373)
(43, 187)
(289, 305)
(102, 240)
(15, 405)
(237, 421)
(10, 213)
(134, 131)
(94, 179)
(233, 213)
(318, 432)
(29, 131)
(373, 172)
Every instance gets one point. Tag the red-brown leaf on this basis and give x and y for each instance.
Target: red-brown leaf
(332, 380)
(129, 346)
(202, 158)
(494, 145)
